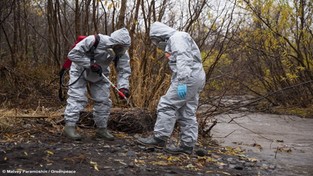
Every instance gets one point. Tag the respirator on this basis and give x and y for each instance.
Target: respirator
(159, 43)
(119, 50)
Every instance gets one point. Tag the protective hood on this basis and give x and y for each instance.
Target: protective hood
(160, 30)
(120, 37)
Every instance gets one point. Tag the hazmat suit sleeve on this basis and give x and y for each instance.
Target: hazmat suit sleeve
(80, 53)
(181, 51)
(124, 71)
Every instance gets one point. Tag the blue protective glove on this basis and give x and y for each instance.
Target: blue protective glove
(182, 90)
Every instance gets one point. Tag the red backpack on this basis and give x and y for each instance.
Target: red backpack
(67, 64)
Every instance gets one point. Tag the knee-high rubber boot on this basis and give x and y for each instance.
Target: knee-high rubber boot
(104, 134)
(71, 133)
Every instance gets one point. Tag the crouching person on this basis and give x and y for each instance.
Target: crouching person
(91, 59)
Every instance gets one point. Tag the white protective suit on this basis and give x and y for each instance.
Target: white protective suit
(99, 87)
(186, 65)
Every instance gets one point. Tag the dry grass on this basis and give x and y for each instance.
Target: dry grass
(129, 120)
(11, 119)
(150, 78)
(31, 91)
(27, 87)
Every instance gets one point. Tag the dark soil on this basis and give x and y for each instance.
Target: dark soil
(36, 146)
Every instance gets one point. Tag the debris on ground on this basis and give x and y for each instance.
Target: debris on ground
(36, 144)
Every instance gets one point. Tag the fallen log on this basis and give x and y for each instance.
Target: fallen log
(132, 120)
(129, 120)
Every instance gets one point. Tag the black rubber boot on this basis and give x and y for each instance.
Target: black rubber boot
(179, 150)
(152, 142)
(71, 133)
(103, 133)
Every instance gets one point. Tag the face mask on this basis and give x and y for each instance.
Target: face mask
(162, 45)
(159, 43)
(119, 50)
(155, 41)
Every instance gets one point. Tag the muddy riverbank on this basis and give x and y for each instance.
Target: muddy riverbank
(285, 142)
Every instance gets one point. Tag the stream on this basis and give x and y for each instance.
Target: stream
(285, 142)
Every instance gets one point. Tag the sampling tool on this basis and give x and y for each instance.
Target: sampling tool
(118, 91)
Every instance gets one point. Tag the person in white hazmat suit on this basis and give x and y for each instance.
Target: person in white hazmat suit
(181, 99)
(92, 65)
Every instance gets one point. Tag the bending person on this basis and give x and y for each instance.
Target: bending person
(181, 99)
(92, 61)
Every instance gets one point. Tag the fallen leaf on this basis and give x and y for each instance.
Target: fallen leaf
(173, 158)
(221, 164)
(252, 159)
(139, 161)
(284, 148)
(95, 165)
(160, 163)
(199, 165)
(122, 162)
(211, 160)
(220, 172)
(162, 157)
(238, 150)
(49, 152)
(190, 166)
(201, 158)
(121, 135)
(242, 157)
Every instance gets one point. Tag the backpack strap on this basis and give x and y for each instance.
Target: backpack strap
(95, 45)
(97, 37)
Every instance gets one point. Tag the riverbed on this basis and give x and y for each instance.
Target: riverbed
(284, 141)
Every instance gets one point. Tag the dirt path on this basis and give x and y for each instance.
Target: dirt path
(37, 147)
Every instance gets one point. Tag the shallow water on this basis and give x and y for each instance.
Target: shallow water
(286, 142)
